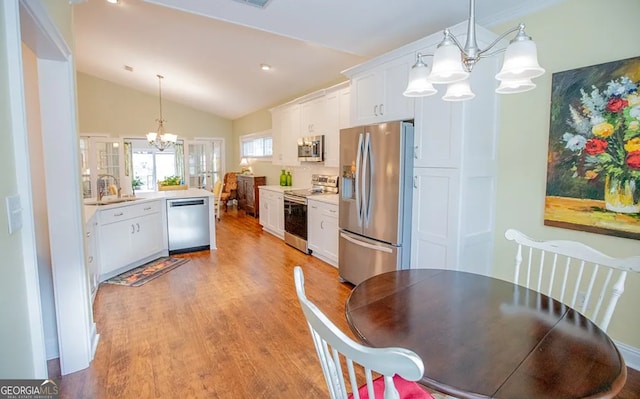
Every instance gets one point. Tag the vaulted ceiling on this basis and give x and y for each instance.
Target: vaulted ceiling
(210, 52)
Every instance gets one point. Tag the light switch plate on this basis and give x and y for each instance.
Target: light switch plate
(14, 213)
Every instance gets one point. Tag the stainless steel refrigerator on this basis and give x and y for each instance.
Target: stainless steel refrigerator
(376, 164)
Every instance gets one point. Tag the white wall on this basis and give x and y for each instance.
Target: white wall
(570, 35)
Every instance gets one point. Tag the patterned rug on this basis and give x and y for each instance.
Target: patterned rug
(147, 272)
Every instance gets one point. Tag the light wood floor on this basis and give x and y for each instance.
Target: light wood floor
(227, 324)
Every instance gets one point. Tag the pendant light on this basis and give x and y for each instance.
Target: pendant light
(453, 63)
(160, 139)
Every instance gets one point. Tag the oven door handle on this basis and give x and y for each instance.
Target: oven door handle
(301, 201)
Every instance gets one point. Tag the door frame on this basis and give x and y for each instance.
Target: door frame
(28, 21)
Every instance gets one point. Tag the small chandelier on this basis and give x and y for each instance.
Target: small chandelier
(160, 139)
(452, 64)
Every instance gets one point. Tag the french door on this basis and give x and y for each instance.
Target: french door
(205, 162)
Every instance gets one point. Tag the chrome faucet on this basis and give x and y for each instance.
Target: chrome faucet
(104, 190)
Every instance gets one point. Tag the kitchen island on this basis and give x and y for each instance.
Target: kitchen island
(123, 233)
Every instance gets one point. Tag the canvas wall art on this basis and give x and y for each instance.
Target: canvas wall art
(593, 172)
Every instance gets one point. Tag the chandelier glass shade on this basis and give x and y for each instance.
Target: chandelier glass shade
(453, 63)
(160, 139)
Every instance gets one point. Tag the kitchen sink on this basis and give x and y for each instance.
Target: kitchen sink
(109, 201)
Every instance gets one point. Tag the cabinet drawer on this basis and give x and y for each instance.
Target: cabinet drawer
(125, 212)
(324, 208)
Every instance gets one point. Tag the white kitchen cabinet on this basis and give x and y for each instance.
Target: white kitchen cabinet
(313, 117)
(129, 236)
(285, 130)
(322, 220)
(455, 171)
(91, 255)
(376, 93)
(337, 104)
(272, 211)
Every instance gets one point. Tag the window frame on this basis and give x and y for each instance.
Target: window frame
(252, 137)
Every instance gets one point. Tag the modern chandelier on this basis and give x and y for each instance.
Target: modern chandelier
(452, 64)
(160, 139)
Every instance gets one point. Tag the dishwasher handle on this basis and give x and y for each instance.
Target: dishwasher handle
(175, 203)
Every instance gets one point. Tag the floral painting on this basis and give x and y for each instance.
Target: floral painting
(593, 176)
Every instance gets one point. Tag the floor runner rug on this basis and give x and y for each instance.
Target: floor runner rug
(147, 272)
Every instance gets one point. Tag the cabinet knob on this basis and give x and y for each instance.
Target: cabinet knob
(322, 224)
(133, 229)
(381, 108)
(375, 110)
(118, 214)
(415, 181)
(415, 152)
(91, 259)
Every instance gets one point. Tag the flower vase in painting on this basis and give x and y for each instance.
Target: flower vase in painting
(594, 150)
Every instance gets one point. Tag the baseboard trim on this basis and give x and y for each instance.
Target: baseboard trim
(631, 355)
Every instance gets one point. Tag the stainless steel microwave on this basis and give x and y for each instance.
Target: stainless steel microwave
(311, 149)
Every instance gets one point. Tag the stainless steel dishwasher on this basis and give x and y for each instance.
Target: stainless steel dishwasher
(188, 224)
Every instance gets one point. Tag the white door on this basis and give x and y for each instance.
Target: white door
(204, 162)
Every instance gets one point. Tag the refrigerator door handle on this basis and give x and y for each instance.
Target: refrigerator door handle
(358, 194)
(366, 175)
(366, 244)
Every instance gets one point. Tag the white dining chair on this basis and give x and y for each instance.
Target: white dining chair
(573, 273)
(399, 367)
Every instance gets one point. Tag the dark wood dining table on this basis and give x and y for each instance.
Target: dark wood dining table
(482, 337)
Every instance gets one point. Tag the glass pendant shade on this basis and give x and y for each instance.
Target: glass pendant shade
(459, 91)
(151, 137)
(418, 85)
(447, 65)
(515, 86)
(520, 61)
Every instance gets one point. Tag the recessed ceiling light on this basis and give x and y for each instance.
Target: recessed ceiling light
(113, 1)
(265, 67)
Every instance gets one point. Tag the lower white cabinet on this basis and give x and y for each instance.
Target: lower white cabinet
(322, 220)
(128, 235)
(272, 211)
(91, 254)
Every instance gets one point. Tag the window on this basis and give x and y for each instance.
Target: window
(151, 165)
(256, 145)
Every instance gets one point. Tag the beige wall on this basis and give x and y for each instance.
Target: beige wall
(108, 108)
(573, 34)
(15, 344)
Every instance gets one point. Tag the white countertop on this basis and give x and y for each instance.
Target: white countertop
(279, 189)
(90, 210)
(326, 198)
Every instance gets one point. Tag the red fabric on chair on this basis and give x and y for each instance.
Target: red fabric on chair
(406, 389)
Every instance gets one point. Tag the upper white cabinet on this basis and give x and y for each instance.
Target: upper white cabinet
(376, 92)
(324, 112)
(313, 117)
(285, 130)
(337, 106)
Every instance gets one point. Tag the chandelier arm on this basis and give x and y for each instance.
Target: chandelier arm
(502, 36)
(491, 54)
(454, 39)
